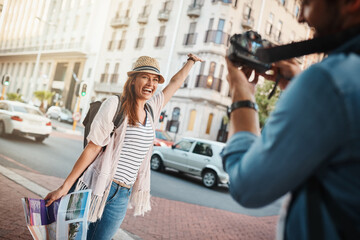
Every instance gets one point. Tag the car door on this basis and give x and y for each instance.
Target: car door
(199, 157)
(177, 157)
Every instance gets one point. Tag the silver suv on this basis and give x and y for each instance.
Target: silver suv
(198, 157)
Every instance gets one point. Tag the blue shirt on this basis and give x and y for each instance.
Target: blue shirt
(316, 122)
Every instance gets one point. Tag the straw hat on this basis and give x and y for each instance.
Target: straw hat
(148, 65)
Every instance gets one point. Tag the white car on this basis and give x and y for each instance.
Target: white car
(23, 119)
(194, 156)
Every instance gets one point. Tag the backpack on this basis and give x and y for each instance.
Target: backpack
(117, 120)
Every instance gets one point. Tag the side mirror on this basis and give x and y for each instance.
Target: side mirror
(173, 146)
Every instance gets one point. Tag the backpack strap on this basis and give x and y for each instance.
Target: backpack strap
(119, 116)
(150, 110)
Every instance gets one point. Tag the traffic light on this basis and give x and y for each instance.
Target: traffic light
(5, 80)
(162, 116)
(82, 89)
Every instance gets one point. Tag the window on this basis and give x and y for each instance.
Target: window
(283, 2)
(104, 76)
(184, 145)
(208, 126)
(203, 149)
(192, 120)
(160, 40)
(122, 41)
(140, 40)
(3, 106)
(247, 12)
(190, 38)
(112, 42)
(115, 75)
(210, 77)
(297, 11)
(278, 30)
(175, 114)
(219, 32)
(269, 24)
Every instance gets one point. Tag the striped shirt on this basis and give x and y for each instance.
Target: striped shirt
(137, 142)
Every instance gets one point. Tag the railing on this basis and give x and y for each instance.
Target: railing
(160, 41)
(247, 23)
(143, 18)
(163, 15)
(118, 22)
(104, 77)
(194, 10)
(209, 82)
(190, 39)
(217, 36)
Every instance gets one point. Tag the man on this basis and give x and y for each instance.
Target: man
(310, 145)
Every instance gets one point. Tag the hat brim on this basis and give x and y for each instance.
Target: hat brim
(161, 80)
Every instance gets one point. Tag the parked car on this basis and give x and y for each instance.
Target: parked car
(162, 139)
(194, 156)
(60, 114)
(23, 119)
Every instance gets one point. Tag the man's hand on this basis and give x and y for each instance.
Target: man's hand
(287, 70)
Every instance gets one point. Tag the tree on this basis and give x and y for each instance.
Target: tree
(14, 97)
(44, 96)
(266, 106)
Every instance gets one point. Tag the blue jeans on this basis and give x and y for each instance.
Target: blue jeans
(113, 215)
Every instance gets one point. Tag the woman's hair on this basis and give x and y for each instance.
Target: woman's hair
(128, 101)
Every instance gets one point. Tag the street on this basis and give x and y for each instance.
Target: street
(57, 155)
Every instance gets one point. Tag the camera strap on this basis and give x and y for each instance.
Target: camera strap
(315, 45)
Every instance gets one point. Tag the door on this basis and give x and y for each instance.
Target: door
(178, 156)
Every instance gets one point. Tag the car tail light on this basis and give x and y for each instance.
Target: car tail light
(16, 118)
(48, 124)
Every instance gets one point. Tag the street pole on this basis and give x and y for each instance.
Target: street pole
(77, 110)
(3, 92)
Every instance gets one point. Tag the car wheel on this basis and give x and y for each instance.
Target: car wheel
(209, 178)
(2, 129)
(156, 163)
(39, 139)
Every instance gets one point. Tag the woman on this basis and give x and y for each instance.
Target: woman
(124, 167)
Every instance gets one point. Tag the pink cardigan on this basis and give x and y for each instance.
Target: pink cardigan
(100, 173)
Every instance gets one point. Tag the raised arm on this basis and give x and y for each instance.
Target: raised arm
(86, 158)
(178, 79)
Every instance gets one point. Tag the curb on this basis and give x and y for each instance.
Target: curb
(42, 192)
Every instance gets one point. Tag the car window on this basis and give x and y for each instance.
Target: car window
(23, 109)
(203, 149)
(63, 110)
(184, 145)
(3, 106)
(163, 136)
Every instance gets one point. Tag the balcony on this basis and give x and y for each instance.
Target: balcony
(209, 82)
(119, 22)
(107, 88)
(163, 15)
(247, 23)
(190, 39)
(104, 78)
(194, 10)
(143, 18)
(217, 36)
(159, 41)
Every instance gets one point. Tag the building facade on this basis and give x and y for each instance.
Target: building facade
(54, 44)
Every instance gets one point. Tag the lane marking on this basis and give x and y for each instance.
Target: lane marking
(17, 163)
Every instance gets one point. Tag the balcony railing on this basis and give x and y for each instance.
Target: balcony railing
(163, 15)
(143, 18)
(121, 44)
(160, 41)
(247, 23)
(119, 22)
(139, 43)
(217, 36)
(104, 77)
(190, 39)
(114, 78)
(194, 10)
(209, 82)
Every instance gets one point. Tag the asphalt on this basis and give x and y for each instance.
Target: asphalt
(168, 219)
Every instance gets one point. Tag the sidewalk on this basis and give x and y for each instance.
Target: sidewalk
(168, 219)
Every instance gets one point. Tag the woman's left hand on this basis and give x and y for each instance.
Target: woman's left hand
(194, 57)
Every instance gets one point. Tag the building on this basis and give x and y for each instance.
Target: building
(55, 44)
(168, 30)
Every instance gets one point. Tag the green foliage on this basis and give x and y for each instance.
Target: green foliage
(14, 97)
(44, 95)
(266, 106)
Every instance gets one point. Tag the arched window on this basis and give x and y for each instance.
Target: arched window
(208, 126)
(192, 120)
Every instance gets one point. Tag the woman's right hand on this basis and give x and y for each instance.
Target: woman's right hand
(55, 195)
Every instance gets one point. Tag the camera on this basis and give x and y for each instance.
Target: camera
(242, 51)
